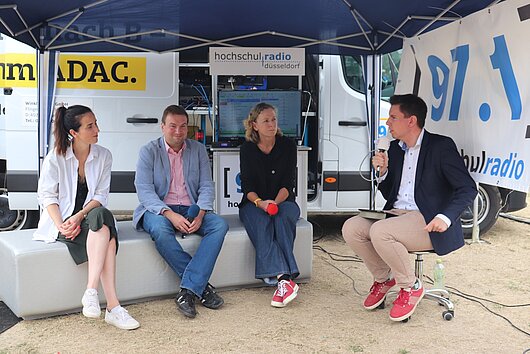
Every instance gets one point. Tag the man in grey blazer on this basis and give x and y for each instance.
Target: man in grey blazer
(173, 175)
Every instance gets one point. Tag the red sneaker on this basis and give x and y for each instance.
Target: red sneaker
(277, 298)
(406, 302)
(293, 285)
(291, 293)
(284, 294)
(378, 294)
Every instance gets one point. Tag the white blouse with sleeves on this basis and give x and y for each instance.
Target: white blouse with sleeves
(58, 185)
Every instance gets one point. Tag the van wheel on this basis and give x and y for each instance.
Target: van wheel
(489, 204)
(16, 219)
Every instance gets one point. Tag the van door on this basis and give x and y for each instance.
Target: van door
(346, 134)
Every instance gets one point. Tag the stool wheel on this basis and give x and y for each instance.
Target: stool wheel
(448, 315)
(381, 306)
(406, 319)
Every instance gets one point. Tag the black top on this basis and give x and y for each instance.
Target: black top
(82, 191)
(266, 174)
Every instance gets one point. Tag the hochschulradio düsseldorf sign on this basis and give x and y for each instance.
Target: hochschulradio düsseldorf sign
(257, 61)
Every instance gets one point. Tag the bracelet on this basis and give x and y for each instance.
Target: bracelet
(256, 201)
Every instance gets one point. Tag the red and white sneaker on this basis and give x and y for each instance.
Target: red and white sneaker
(378, 293)
(292, 292)
(277, 298)
(406, 302)
(285, 293)
(293, 285)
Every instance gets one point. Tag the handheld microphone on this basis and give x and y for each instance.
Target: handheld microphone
(383, 144)
(193, 211)
(272, 209)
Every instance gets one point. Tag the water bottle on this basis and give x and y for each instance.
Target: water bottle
(439, 275)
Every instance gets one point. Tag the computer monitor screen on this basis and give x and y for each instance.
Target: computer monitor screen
(234, 107)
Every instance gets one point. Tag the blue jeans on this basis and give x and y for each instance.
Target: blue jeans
(195, 271)
(273, 238)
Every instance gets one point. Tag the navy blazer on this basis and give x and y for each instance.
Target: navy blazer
(443, 186)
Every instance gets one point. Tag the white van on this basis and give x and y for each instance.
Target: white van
(338, 131)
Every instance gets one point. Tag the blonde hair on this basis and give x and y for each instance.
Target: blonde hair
(250, 133)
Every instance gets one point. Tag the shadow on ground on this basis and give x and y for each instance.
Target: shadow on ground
(7, 318)
(327, 226)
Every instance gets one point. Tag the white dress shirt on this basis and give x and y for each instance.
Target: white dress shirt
(58, 185)
(405, 197)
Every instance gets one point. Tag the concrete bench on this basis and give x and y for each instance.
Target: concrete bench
(39, 280)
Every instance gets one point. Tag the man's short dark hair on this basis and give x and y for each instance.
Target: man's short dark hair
(411, 105)
(176, 110)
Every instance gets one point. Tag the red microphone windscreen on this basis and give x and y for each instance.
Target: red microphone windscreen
(272, 209)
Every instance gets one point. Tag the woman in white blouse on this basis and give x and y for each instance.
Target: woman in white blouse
(73, 190)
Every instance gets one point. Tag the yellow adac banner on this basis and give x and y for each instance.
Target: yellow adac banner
(18, 70)
(77, 72)
(101, 72)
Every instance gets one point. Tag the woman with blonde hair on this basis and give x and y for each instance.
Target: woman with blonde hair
(72, 192)
(268, 208)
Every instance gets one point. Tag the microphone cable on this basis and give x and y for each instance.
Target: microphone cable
(479, 300)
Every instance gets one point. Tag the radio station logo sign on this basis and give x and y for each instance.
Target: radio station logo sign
(507, 167)
(77, 71)
(473, 74)
(257, 61)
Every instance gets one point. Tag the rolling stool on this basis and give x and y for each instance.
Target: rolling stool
(439, 295)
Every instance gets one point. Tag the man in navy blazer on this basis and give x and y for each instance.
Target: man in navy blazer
(176, 192)
(427, 186)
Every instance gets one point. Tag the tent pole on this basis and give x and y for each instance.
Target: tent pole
(214, 108)
(375, 103)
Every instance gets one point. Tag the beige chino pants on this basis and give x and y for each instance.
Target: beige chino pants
(384, 245)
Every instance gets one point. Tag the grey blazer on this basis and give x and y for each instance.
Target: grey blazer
(153, 177)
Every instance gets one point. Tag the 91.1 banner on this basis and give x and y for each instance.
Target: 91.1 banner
(473, 75)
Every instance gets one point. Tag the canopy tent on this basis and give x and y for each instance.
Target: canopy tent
(320, 26)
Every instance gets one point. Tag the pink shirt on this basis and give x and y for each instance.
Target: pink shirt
(177, 195)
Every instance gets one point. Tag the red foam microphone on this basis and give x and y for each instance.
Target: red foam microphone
(272, 209)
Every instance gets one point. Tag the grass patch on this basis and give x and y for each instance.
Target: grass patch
(356, 348)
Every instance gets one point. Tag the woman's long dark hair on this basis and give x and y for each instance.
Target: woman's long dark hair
(66, 119)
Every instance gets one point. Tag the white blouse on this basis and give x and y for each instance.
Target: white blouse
(58, 185)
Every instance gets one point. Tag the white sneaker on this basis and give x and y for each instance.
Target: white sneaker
(90, 303)
(120, 318)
